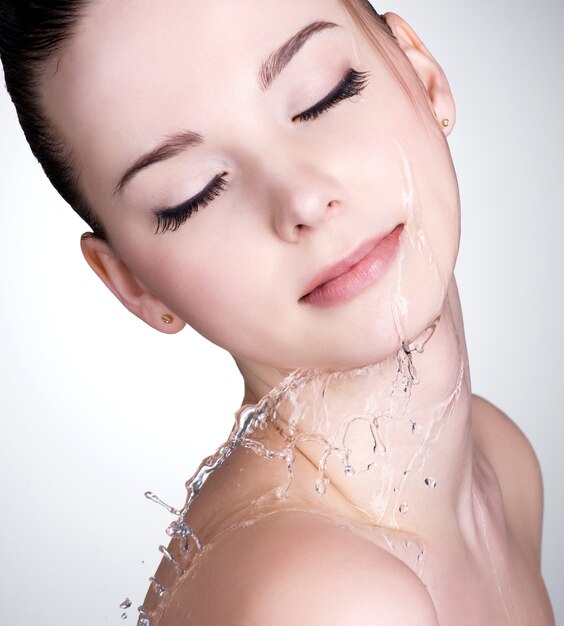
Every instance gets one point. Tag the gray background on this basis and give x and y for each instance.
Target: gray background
(97, 408)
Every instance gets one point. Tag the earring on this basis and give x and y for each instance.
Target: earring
(445, 122)
(167, 319)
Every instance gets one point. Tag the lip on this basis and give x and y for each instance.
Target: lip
(342, 281)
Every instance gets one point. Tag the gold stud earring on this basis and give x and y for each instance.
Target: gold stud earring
(445, 122)
(167, 319)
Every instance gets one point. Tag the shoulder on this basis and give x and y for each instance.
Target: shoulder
(298, 568)
(320, 573)
(517, 469)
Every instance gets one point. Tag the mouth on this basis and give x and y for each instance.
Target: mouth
(345, 279)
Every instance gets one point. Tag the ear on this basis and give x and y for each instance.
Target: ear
(429, 71)
(125, 286)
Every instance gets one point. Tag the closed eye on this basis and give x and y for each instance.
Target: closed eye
(351, 85)
(173, 218)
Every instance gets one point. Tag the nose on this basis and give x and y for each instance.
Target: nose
(304, 196)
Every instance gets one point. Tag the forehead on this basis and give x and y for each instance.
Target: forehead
(128, 57)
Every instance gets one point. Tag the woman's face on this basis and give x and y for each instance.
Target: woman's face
(287, 194)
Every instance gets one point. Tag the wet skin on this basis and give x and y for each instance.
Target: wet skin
(479, 566)
(292, 195)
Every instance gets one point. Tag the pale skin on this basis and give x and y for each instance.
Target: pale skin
(300, 195)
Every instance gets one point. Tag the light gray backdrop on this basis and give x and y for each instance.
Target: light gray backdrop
(96, 407)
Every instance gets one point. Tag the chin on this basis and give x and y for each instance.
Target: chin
(374, 338)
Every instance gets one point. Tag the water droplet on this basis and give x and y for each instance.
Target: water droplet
(144, 622)
(160, 589)
(431, 482)
(141, 609)
(282, 492)
(372, 467)
(403, 508)
(420, 557)
(124, 616)
(321, 487)
(154, 498)
(125, 604)
(166, 553)
(348, 470)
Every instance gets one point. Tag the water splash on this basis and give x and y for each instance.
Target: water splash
(317, 390)
(250, 418)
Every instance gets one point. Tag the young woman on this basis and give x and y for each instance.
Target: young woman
(278, 177)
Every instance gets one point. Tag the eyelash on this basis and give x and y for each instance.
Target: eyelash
(171, 219)
(351, 85)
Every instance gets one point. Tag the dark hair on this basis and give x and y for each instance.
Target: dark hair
(32, 32)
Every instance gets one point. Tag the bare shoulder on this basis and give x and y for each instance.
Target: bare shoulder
(517, 468)
(294, 568)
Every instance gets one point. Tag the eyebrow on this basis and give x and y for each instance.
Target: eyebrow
(170, 147)
(279, 59)
(269, 70)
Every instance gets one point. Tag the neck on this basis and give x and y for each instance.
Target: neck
(393, 438)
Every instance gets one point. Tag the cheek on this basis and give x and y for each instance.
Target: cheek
(214, 286)
(431, 203)
(406, 162)
(204, 288)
